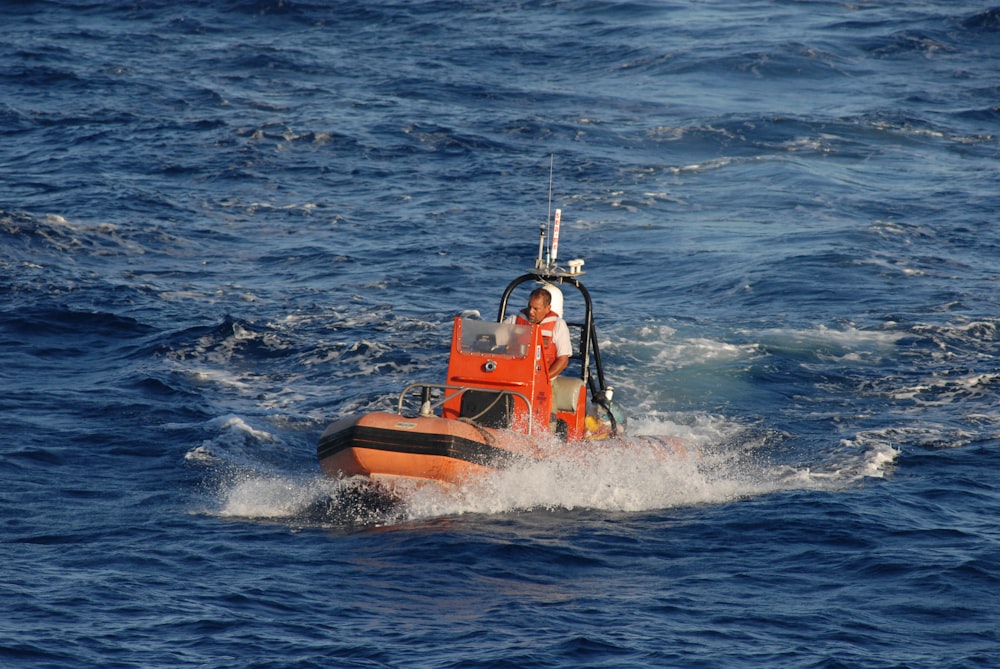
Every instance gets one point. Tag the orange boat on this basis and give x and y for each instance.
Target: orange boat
(497, 403)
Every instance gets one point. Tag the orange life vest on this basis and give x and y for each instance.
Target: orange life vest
(547, 326)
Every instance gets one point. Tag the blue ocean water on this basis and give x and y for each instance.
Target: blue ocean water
(225, 224)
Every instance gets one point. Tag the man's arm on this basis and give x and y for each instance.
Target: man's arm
(564, 348)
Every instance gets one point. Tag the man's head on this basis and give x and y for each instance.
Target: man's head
(539, 303)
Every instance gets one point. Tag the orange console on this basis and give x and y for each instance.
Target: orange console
(501, 368)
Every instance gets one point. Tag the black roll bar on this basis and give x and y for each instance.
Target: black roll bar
(588, 339)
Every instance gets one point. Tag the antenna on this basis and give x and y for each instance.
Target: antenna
(547, 257)
(552, 160)
(543, 228)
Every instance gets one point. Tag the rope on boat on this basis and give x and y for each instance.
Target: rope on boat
(472, 420)
(490, 441)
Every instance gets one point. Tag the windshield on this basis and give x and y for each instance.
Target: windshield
(496, 338)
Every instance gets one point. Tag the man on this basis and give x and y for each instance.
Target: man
(556, 346)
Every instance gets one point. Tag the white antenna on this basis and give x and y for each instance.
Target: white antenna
(555, 235)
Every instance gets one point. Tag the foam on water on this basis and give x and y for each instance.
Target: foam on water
(270, 496)
(708, 460)
(665, 349)
(846, 337)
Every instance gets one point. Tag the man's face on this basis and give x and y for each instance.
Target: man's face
(537, 308)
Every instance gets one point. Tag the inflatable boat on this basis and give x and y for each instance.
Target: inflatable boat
(497, 404)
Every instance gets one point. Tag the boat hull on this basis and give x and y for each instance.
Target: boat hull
(388, 446)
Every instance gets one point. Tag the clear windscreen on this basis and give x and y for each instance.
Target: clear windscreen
(496, 338)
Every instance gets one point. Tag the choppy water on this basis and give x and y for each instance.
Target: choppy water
(225, 224)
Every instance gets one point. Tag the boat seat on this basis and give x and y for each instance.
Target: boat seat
(565, 393)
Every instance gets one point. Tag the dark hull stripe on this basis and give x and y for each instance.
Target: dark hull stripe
(413, 443)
